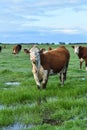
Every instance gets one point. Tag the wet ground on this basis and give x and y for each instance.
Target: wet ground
(17, 126)
(12, 83)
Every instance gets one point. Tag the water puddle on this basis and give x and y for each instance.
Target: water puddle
(83, 78)
(12, 83)
(17, 126)
(52, 99)
(30, 105)
(2, 107)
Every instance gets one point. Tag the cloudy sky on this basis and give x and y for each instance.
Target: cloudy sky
(43, 21)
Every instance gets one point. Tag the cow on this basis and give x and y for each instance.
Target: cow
(51, 62)
(0, 48)
(26, 51)
(16, 49)
(81, 52)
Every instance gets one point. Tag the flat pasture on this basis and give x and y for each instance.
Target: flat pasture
(24, 107)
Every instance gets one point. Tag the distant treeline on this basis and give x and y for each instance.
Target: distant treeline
(61, 43)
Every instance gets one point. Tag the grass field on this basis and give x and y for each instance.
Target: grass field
(23, 106)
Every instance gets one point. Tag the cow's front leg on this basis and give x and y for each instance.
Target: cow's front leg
(37, 80)
(62, 77)
(81, 61)
(35, 74)
(80, 65)
(45, 78)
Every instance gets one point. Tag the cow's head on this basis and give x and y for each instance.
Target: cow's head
(35, 54)
(76, 49)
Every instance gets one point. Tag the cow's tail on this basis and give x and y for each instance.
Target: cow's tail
(66, 67)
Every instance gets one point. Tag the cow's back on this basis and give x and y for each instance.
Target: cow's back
(55, 59)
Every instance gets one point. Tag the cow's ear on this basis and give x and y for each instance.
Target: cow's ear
(49, 48)
(80, 47)
(26, 51)
(72, 46)
(42, 50)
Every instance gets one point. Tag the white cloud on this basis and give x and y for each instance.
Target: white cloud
(69, 31)
(47, 16)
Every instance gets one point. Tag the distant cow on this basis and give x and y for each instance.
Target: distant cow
(0, 48)
(17, 49)
(82, 54)
(26, 51)
(51, 62)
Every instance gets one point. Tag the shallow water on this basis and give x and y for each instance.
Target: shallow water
(83, 78)
(2, 107)
(30, 105)
(17, 126)
(12, 83)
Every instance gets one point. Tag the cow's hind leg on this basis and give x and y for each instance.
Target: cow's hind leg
(65, 70)
(63, 75)
(62, 78)
(86, 63)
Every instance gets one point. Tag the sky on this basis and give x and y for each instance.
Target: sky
(43, 21)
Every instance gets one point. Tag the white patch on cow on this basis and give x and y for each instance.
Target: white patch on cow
(36, 79)
(37, 72)
(35, 56)
(14, 51)
(45, 73)
(86, 68)
(76, 49)
(81, 59)
(51, 72)
(40, 73)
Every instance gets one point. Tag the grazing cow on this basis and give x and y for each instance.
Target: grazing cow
(51, 62)
(82, 54)
(16, 49)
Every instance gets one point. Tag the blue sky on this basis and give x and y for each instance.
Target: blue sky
(43, 21)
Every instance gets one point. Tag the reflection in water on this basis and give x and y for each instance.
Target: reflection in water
(12, 83)
(17, 126)
(2, 107)
(18, 106)
(41, 100)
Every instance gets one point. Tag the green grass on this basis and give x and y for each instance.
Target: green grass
(25, 104)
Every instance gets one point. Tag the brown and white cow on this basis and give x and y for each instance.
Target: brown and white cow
(16, 49)
(81, 51)
(52, 62)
